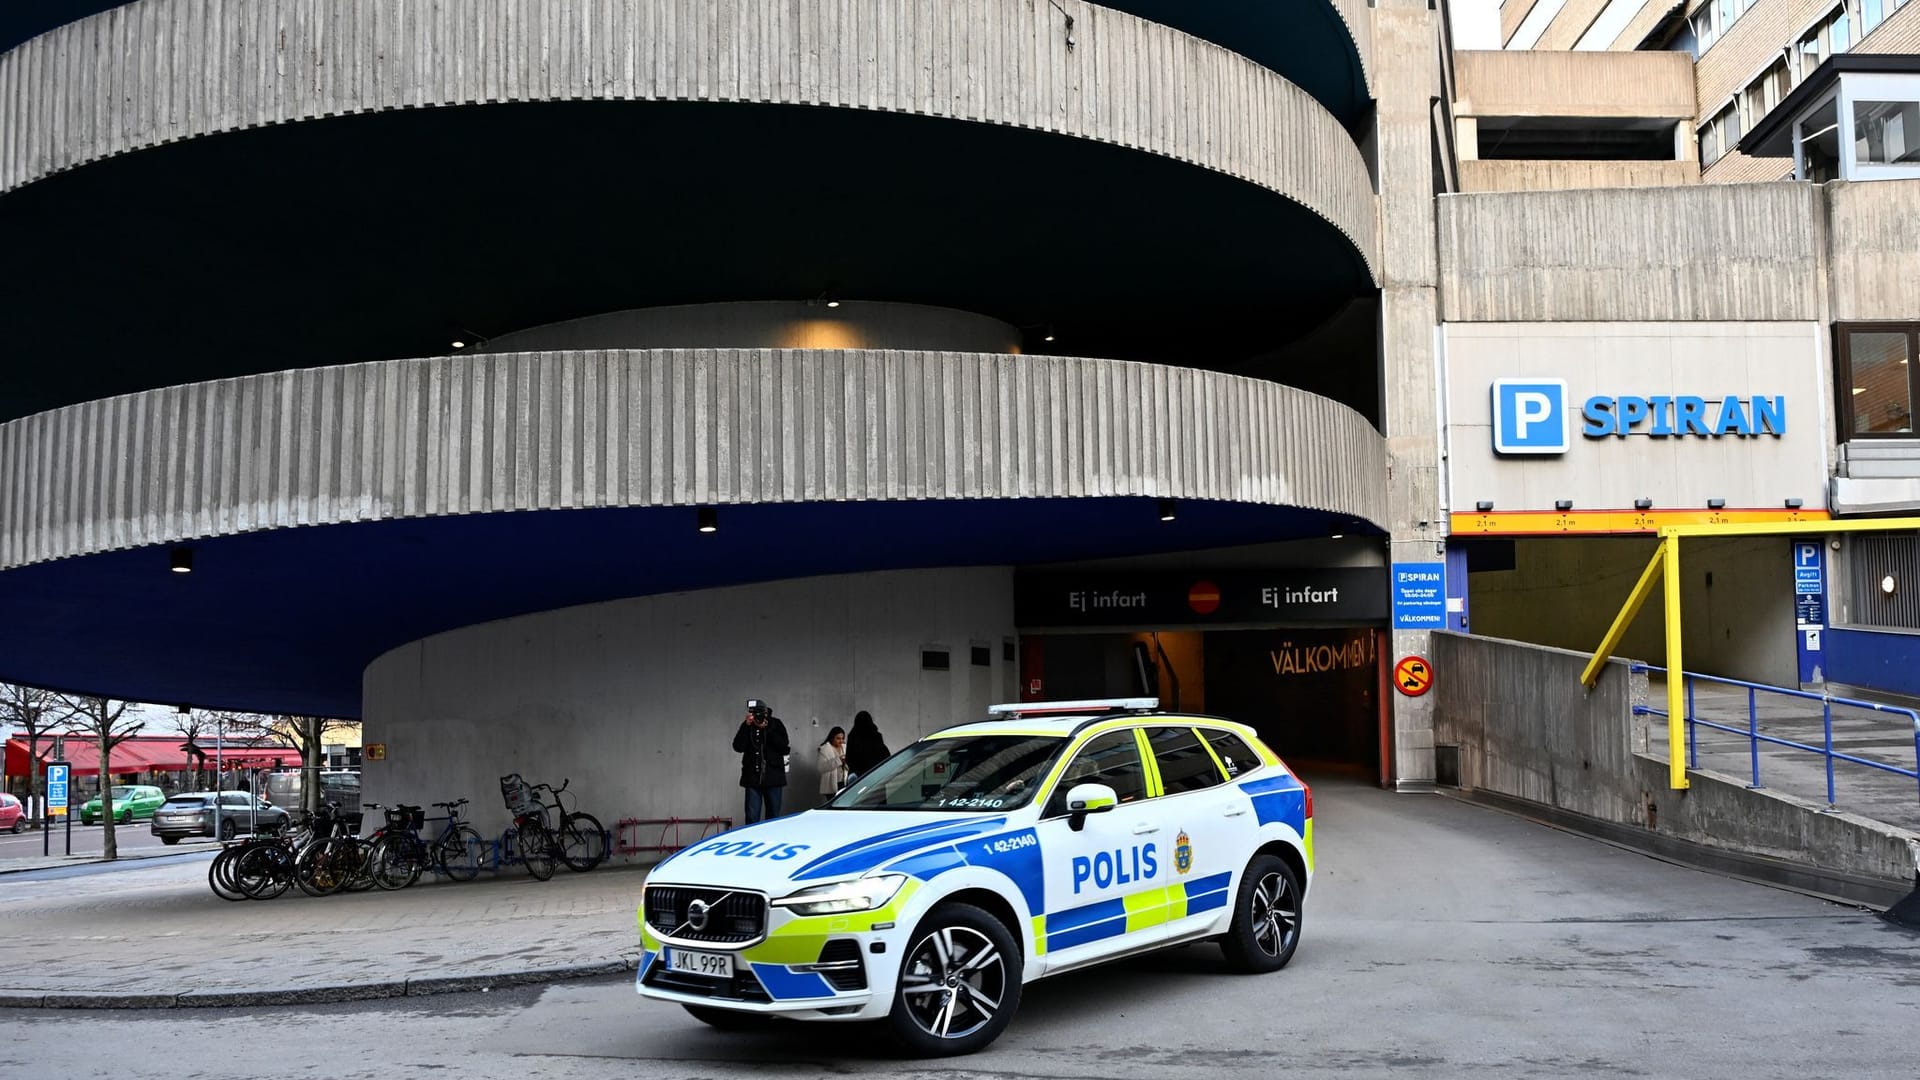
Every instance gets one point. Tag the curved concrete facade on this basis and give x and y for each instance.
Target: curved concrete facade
(636, 701)
(529, 431)
(163, 70)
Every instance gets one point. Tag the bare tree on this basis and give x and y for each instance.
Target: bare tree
(308, 734)
(106, 720)
(37, 713)
(193, 726)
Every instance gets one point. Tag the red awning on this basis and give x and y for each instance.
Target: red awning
(144, 754)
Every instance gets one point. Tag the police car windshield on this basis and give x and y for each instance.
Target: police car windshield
(973, 773)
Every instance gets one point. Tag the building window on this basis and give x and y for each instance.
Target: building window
(1818, 140)
(1715, 17)
(1883, 578)
(1875, 379)
(1721, 134)
(1886, 132)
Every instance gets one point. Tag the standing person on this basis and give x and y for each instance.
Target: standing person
(763, 748)
(865, 747)
(833, 763)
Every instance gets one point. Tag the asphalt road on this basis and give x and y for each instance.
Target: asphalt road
(1442, 939)
(87, 840)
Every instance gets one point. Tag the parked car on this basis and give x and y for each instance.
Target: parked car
(130, 802)
(931, 889)
(338, 786)
(13, 816)
(225, 815)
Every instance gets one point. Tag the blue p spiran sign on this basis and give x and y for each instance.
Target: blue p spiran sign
(1530, 416)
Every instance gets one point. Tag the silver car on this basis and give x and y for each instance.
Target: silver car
(226, 816)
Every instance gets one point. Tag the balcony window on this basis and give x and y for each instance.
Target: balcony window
(1875, 379)
(1818, 142)
(1886, 132)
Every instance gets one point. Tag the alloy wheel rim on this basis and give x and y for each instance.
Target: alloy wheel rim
(1276, 916)
(954, 982)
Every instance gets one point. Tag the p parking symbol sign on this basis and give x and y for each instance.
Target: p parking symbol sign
(1530, 416)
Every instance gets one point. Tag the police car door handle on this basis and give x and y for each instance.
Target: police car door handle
(1236, 813)
(1143, 829)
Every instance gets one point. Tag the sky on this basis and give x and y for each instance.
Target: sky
(1476, 24)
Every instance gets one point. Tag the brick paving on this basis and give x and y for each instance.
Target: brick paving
(160, 930)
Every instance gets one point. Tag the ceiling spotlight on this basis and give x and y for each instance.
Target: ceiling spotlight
(833, 303)
(1338, 536)
(1716, 504)
(1643, 503)
(181, 560)
(708, 519)
(1794, 504)
(1563, 505)
(1484, 506)
(459, 344)
(1166, 510)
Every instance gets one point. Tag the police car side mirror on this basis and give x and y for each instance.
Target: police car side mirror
(1084, 799)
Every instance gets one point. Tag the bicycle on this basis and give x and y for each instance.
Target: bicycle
(456, 851)
(334, 858)
(399, 854)
(534, 844)
(580, 839)
(260, 867)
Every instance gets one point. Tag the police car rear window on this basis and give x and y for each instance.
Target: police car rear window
(1185, 765)
(968, 773)
(1233, 751)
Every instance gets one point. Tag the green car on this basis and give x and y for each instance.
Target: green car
(129, 803)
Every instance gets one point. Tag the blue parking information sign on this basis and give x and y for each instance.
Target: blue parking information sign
(57, 789)
(1419, 596)
(1530, 416)
(1808, 574)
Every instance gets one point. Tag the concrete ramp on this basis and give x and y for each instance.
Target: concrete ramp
(1520, 729)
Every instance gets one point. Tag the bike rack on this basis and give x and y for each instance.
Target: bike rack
(627, 846)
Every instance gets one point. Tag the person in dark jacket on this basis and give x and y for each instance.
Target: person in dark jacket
(762, 745)
(865, 747)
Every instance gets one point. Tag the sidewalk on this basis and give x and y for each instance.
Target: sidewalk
(1858, 789)
(157, 936)
(48, 862)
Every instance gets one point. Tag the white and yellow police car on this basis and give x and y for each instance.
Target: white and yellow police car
(1050, 837)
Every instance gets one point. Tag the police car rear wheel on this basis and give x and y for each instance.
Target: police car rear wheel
(959, 983)
(1266, 921)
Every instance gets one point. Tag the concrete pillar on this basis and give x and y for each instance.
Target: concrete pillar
(1407, 82)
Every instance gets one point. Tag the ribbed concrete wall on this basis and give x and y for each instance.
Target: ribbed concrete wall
(1358, 15)
(1698, 253)
(1479, 176)
(1874, 249)
(458, 435)
(161, 70)
(1533, 83)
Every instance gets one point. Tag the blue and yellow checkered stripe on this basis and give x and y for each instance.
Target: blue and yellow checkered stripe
(1129, 914)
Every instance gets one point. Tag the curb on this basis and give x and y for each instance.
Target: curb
(421, 986)
(63, 862)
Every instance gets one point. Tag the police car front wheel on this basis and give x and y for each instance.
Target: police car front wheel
(959, 983)
(1266, 920)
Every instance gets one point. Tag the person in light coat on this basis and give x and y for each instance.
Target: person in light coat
(833, 763)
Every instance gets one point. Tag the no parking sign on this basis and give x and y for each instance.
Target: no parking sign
(1413, 676)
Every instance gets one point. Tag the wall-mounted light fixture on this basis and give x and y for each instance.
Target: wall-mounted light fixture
(1485, 506)
(1716, 504)
(1889, 585)
(1563, 505)
(1643, 503)
(180, 560)
(707, 519)
(1795, 504)
(457, 343)
(1166, 510)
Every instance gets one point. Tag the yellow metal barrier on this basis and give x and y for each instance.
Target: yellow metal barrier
(1665, 567)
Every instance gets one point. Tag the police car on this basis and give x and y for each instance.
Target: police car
(1048, 838)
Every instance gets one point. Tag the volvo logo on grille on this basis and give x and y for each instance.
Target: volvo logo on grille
(697, 915)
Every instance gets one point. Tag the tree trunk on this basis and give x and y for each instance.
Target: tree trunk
(108, 847)
(310, 771)
(33, 774)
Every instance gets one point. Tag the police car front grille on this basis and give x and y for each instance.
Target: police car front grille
(733, 917)
(742, 987)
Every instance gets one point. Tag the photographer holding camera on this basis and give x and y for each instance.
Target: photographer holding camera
(762, 745)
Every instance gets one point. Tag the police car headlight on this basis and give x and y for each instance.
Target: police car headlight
(861, 894)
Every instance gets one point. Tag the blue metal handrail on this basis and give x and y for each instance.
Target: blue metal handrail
(1752, 731)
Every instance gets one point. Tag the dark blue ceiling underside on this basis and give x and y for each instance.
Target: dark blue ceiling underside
(286, 621)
